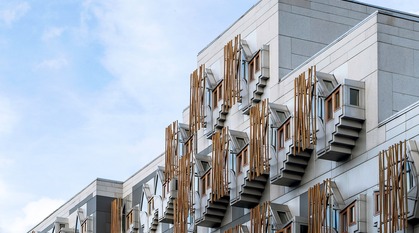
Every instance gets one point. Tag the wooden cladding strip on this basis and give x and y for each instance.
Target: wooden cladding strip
(116, 215)
(318, 200)
(196, 101)
(259, 148)
(183, 202)
(260, 218)
(393, 188)
(171, 151)
(219, 175)
(231, 83)
(236, 229)
(305, 110)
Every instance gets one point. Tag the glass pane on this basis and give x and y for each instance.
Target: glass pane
(329, 107)
(354, 97)
(282, 116)
(329, 85)
(241, 142)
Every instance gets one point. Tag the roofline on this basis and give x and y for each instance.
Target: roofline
(228, 28)
(384, 10)
(69, 200)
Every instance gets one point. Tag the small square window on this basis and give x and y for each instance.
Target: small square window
(354, 97)
(329, 109)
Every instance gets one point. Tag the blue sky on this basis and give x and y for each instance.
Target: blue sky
(87, 87)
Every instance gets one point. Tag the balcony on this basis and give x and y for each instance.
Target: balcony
(169, 195)
(288, 164)
(209, 211)
(339, 127)
(246, 191)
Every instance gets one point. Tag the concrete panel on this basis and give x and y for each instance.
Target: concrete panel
(325, 31)
(294, 25)
(405, 84)
(285, 52)
(395, 59)
(305, 48)
(385, 101)
(416, 62)
(401, 100)
(396, 131)
(296, 60)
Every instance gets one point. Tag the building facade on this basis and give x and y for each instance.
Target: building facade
(303, 117)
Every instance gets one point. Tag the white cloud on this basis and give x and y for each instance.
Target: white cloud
(33, 213)
(53, 64)
(52, 33)
(12, 13)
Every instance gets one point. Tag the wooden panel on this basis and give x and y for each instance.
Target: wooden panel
(259, 147)
(231, 86)
(196, 100)
(183, 203)
(318, 200)
(305, 110)
(260, 218)
(219, 175)
(171, 151)
(116, 215)
(393, 188)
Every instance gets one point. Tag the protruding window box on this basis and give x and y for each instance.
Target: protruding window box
(340, 120)
(132, 220)
(169, 195)
(244, 191)
(208, 212)
(287, 166)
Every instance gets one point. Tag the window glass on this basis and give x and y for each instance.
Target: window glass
(329, 85)
(329, 109)
(241, 142)
(337, 100)
(282, 116)
(354, 97)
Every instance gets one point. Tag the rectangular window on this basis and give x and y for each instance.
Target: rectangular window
(376, 203)
(241, 160)
(254, 66)
(287, 131)
(151, 206)
(217, 94)
(332, 104)
(281, 140)
(348, 217)
(329, 109)
(257, 63)
(354, 97)
(251, 71)
(336, 100)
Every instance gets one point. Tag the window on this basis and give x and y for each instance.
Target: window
(353, 97)
(84, 226)
(241, 142)
(151, 205)
(348, 217)
(332, 104)
(129, 220)
(376, 203)
(284, 134)
(337, 100)
(217, 94)
(329, 85)
(282, 116)
(241, 160)
(281, 141)
(286, 229)
(254, 66)
(409, 176)
(206, 181)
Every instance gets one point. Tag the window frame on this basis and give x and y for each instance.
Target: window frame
(254, 66)
(333, 103)
(242, 159)
(206, 182)
(283, 134)
(217, 94)
(348, 217)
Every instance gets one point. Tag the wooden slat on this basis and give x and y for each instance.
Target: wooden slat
(183, 202)
(392, 165)
(219, 175)
(260, 218)
(305, 111)
(196, 100)
(116, 215)
(231, 85)
(259, 148)
(171, 151)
